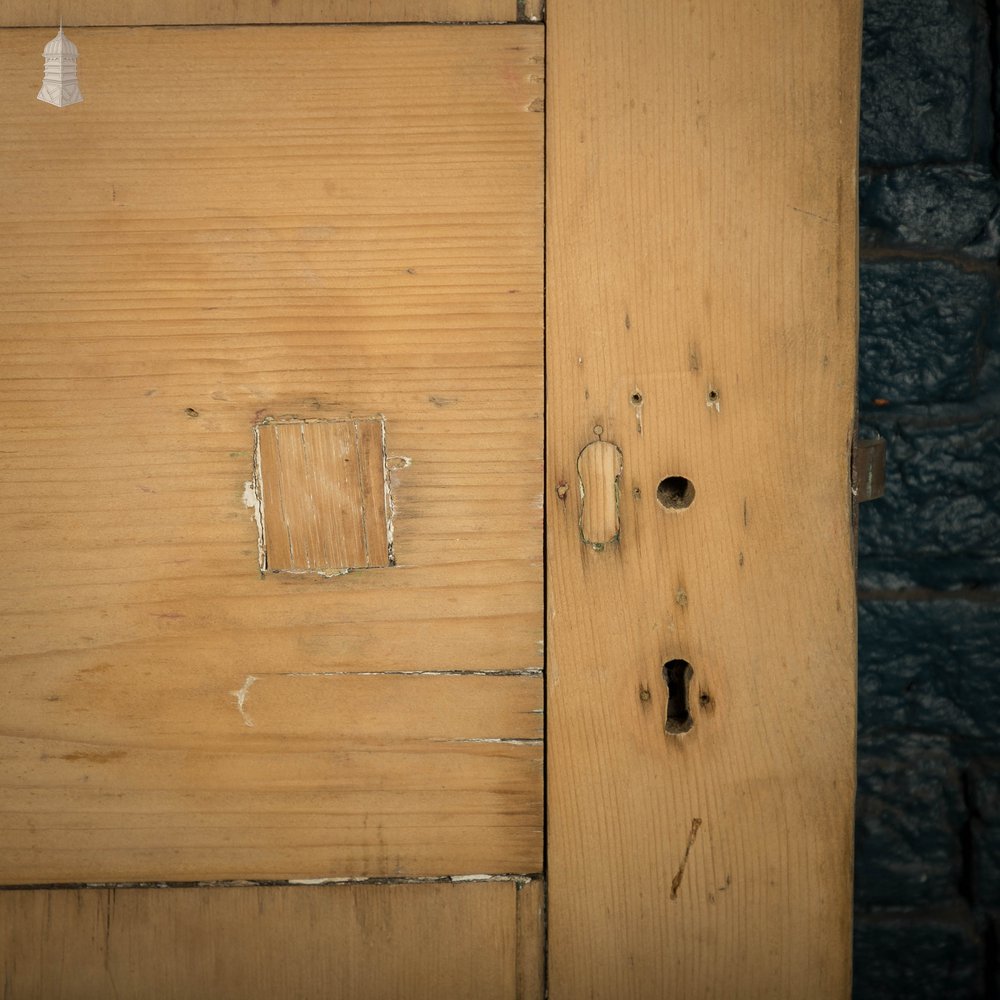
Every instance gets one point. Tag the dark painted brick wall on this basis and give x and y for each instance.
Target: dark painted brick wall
(927, 891)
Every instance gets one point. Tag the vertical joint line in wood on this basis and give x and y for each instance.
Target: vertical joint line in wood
(285, 520)
(361, 492)
(310, 467)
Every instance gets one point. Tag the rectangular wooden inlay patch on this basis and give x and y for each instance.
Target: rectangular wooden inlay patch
(323, 503)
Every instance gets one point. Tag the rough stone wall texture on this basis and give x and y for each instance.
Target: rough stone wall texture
(928, 822)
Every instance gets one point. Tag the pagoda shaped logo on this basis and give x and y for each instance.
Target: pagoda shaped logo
(59, 85)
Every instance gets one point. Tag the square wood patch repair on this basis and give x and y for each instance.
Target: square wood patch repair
(321, 496)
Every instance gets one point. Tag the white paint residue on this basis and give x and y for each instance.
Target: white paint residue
(241, 699)
(390, 507)
(508, 741)
(250, 498)
(253, 497)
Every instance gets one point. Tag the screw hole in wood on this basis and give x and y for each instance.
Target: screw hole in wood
(675, 493)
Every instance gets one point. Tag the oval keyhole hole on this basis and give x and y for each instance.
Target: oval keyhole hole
(677, 675)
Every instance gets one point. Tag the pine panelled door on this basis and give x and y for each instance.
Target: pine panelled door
(426, 499)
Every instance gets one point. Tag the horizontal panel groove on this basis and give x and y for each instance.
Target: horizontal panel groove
(269, 13)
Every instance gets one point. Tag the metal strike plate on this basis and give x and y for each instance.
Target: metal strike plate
(868, 469)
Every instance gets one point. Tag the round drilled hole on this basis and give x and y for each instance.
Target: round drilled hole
(675, 492)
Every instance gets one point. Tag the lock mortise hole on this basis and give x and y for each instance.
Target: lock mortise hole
(677, 675)
(675, 493)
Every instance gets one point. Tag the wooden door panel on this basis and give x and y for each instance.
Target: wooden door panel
(471, 941)
(237, 228)
(261, 274)
(290, 776)
(702, 304)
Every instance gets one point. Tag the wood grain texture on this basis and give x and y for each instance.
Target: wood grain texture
(95, 13)
(531, 940)
(283, 775)
(346, 942)
(599, 473)
(321, 488)
(237, 225)
(702, 256)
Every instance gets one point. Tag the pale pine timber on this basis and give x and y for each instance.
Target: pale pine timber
(284, 775)
(702, 304)
(321, 487)
(599, 472)
(338, 942)
(203, 244)
(96, 13)
(531, 939)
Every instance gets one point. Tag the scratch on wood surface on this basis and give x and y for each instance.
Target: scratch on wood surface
(813, 215)
(679, 877)
(241, 699)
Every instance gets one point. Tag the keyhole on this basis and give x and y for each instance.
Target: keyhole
(677, 675)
